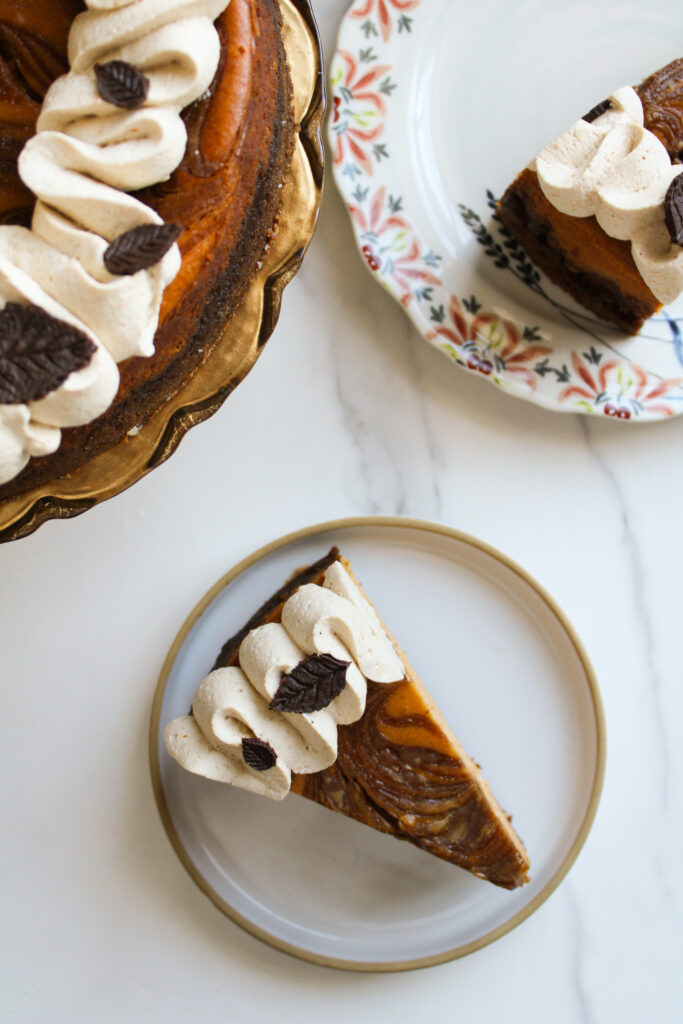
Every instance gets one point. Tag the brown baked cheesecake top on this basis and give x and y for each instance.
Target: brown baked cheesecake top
(313, 697)
(231, 149)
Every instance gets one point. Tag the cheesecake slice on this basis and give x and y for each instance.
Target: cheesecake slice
(313, 697)
(600, 209)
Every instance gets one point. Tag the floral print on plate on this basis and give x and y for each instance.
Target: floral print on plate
(367, 73)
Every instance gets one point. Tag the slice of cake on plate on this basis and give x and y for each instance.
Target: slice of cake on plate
(600, 210)
(313, 697)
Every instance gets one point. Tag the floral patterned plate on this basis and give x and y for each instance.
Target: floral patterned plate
(437, 105)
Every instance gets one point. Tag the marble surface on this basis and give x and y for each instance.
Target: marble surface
(347, 412)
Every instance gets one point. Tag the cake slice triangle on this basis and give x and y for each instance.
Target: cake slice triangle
(400, 768)
(600, 209)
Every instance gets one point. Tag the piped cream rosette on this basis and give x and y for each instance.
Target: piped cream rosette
(86, 156)
(613, 168)
(232, 705)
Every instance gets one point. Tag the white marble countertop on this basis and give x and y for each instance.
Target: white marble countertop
(347, 412)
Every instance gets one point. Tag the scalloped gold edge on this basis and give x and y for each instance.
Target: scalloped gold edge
(591, 682)
(245, 335)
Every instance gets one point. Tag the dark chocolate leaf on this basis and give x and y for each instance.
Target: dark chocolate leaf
(312, 685)
(673, 210)
(597, 110)
(37, 353)
(258, 754)
(122, 84)
(140, 248)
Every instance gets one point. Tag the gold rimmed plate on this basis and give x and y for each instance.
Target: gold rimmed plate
(244, 336)
(512, 678)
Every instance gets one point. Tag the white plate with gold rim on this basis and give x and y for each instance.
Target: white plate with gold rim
(513, 680)
(436, 106)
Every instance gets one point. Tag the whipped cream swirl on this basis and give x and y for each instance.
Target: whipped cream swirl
(87, 154)
(232, 704)
(619, 172)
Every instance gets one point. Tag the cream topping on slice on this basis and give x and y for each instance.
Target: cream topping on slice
(233, 704)
(616, 170)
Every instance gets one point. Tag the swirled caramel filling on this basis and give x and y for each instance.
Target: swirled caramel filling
(662, 97)
(397, 771)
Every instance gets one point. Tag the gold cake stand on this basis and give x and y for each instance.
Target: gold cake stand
(245, 335)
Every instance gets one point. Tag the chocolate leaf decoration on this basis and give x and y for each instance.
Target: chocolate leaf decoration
(140, 248)
(122, 84)
(37, 353)
(597, 110)
(312, 685)
(673, 210)
(258, 754)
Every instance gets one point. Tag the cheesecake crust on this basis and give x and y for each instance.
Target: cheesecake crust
(576, 254)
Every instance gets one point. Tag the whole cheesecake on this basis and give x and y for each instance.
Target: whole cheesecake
(226, 195)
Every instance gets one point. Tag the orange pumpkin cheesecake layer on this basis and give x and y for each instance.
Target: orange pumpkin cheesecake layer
(401, 770)
(226, 194)
(576, 254)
